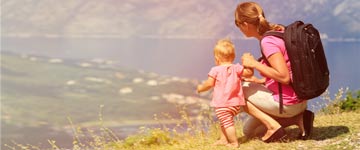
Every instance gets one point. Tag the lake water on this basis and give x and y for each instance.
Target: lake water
(175, 57)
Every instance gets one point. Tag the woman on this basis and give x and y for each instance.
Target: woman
(263, 93)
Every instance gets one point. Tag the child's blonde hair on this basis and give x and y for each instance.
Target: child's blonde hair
(224, 50)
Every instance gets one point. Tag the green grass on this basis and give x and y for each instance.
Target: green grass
(332, 131)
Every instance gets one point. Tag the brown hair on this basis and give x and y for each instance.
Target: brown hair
(252, 13)
(224, 50)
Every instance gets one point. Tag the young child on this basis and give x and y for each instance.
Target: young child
(228, 96)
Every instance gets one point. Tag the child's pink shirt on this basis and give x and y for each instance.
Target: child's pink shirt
(270, 46)
(227, 90)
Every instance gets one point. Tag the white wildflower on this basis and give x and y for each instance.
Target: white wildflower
(152, 83)
(70, 82)
(125, 90)
(138, 80)
(55, 60)
(85, 65)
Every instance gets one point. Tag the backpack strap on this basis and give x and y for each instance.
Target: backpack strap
(274, 33)
(269, 33)
(279, 35)
(281, 105)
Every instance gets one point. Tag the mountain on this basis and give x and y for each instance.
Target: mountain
(167, 19)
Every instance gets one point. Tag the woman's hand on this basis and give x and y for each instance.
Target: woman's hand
(248, 60)
(254, 79)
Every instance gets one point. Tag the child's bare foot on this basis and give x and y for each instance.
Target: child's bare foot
(234, 145)
(220, 142)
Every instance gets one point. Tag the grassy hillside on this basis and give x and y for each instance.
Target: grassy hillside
(337, 131)
(331, 131)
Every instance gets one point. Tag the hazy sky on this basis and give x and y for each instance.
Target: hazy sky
(167, 19)
(181, 32)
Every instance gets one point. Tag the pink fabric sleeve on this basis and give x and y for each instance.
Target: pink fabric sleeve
(213, 72)
(240, 69)
(270, 46)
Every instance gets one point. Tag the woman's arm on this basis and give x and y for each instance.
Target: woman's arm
(209, 83)
(278, 70)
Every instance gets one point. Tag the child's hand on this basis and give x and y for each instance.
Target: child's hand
(247, 72)
(206, 85)
(198, 88)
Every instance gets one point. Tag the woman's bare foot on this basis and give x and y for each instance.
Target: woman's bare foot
(220, 142)
(269, 133)
(275, 136)
(300, 124)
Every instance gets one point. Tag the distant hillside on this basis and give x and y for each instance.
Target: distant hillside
(166, 19)
(38, 90)
(40, 94)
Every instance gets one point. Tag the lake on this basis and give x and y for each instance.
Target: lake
(189, 58)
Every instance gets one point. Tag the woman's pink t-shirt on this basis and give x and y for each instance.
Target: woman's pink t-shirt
(270, 46)
(227, 90)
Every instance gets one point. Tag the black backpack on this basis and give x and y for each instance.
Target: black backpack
(310, 73)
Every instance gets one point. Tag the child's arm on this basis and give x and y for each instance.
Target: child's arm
(248, 75)
(209, 83)
(247, 72)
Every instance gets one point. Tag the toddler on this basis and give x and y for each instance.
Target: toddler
(227, 97)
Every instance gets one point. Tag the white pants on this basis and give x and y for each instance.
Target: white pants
(262, 98)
